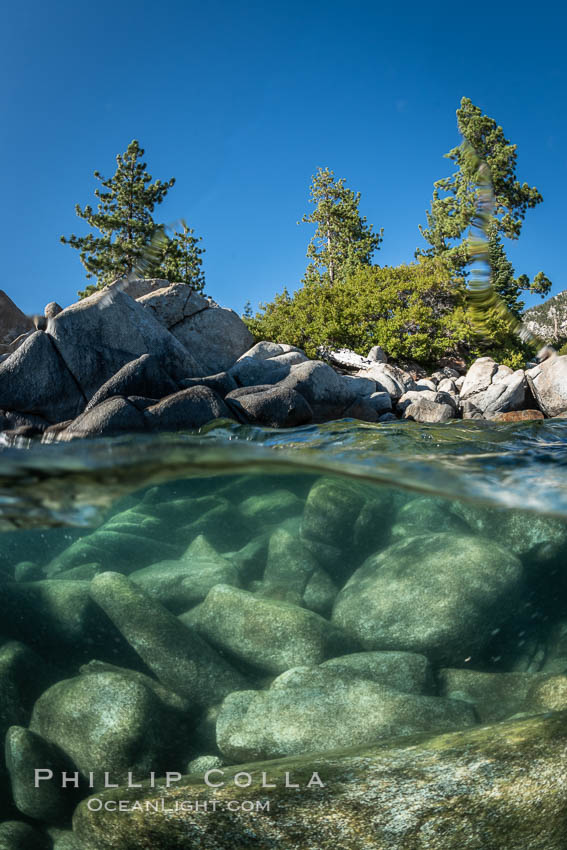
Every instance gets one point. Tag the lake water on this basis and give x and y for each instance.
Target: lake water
(187, 602)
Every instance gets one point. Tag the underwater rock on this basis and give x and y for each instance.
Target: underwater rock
(186, 409)
(27, 752)
(169, 698)
(272, 507)
(320, 593)
(296, 720)
(35, 379)
(63, 839)
(425, 515)
(494, 696)
(201, 764)
(129, 540)
(402, 671)
(266, 633)
(250, 559)
(144, 376)
(177, 656)
(547, 695)
(436, 594)
(331, 510)
(533, 537)
(290, 565)
(272, 407)
(51, 614)
(98, 335)
(16, 835)
(105, 722)
(500, 786)
(180, 584)
(222, 524)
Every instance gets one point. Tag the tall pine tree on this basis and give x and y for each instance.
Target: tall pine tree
(124, 220)
(455, 202)
(343, 240)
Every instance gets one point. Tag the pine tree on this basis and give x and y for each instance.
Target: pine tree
(455, 203)
(124, 220)
(248, 313)
(343, 240)
(181, 261)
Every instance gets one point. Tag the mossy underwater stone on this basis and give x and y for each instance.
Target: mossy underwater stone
(177, 656)
(105, 722)
(17, 835)
(180, 584)
(408, 672)
(331, 712)
(25, 752)
(436, 594)
(498, 787)
(495, 696)
(266, 633)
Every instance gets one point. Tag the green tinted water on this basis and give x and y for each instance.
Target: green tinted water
(187, 602)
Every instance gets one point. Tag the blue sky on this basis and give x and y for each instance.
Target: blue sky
(242, 101)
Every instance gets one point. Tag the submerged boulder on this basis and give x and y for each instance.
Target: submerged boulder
(294, 719)
(266, 633)
(500, 786)
(436, 594)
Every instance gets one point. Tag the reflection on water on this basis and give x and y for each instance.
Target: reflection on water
(181, 603)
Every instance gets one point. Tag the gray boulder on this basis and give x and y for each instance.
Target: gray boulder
(98, 335)
(439, 594)
(144, 376)
(377, 354)
(424, 410)
(253, 371)
(222, 383)
(290, 565)
(548, 382)
(35, 379)
(327, 393)
(509, 393)
(12, 321)
(216, 337)
(186, 409)
(52, 309)
(287, 721)
(266, 633)
(276, 407)
(478, 377)
(173, 303)
(110, 418)
(389, 379)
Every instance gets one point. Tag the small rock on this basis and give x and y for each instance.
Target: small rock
(377, 355)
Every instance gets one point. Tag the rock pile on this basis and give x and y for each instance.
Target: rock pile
(150, 356)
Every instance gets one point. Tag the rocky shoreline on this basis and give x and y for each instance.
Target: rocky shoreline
(147, 356)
